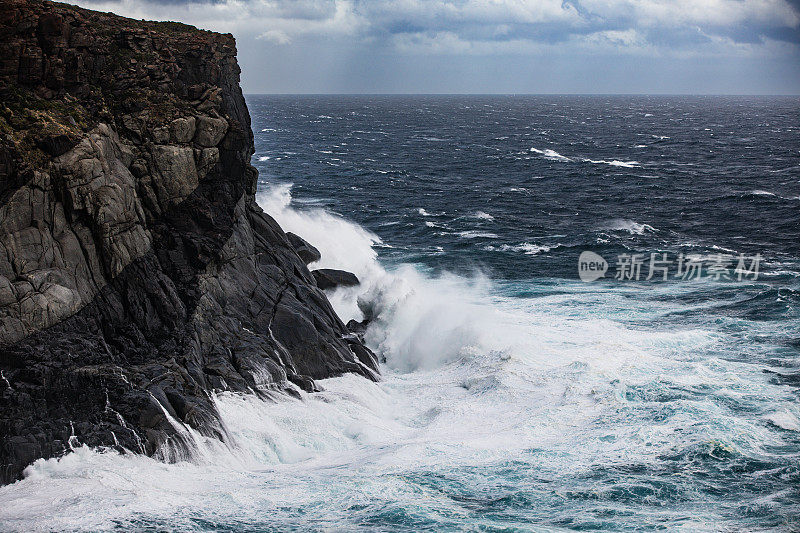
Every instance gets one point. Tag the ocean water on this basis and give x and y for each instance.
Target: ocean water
(515, 397)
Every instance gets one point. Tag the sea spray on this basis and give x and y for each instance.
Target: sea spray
(487, 397)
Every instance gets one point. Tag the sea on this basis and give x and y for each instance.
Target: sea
(587, 310)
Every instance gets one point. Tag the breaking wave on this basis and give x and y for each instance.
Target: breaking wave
(551, 154)
(511, 395)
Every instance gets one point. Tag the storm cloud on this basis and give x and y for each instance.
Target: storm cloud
(739, 46)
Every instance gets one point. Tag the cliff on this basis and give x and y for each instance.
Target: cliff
(137, 273)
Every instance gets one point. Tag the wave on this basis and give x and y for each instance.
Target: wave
(555, 156)
(264, 158)
(476, 234)
(481, 215)
(614, 163)
(768, 194)
(526, 248)
(551, 154)
(480, 385)
(631, 226)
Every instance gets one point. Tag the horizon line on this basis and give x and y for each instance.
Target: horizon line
(795, 95)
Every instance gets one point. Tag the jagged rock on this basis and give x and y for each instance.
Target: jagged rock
(330, 278)
(307, 252)
(137, 272)
(357, 328)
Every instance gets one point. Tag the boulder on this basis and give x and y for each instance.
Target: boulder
(182, 129)
(307, 252)
(210, 131)
(330, 278)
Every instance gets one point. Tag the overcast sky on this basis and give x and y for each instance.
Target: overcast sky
(500, 46)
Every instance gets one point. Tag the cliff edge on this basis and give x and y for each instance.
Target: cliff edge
(137, 273)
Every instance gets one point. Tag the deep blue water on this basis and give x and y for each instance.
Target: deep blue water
(710, 171)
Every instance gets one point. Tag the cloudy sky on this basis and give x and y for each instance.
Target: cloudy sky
(500, 46)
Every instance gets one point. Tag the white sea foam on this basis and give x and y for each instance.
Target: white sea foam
(477, 234)
(631, 226)
(551, 154)
(482, 215)
(475, 377)
(526, 248)
(264, 158)
(785, 420)
(614, 163)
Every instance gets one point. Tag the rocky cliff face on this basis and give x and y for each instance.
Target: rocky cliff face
(137, 273)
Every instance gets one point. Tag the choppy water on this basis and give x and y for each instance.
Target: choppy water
(516, 397)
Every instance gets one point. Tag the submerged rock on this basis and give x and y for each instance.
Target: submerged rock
(137, 273)
(330, 278)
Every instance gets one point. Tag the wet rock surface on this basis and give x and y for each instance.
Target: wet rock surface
(307, 252)
(330, 278)
(137, 273)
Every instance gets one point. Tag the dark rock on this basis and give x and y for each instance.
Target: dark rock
(305, 383)
(357, 328)
(137, 272)
(306, 251)
(329, 278)
(56, 145)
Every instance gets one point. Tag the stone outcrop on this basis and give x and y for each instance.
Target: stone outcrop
(307, 252)
(330, 278)
(137, 273)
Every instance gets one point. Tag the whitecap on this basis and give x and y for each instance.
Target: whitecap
(551, 154)
(525, 247)
(430, 224)
(614, 163)
(631, 226)
(784, 420)
(264, 158)
(475, 234)
(482, 215)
